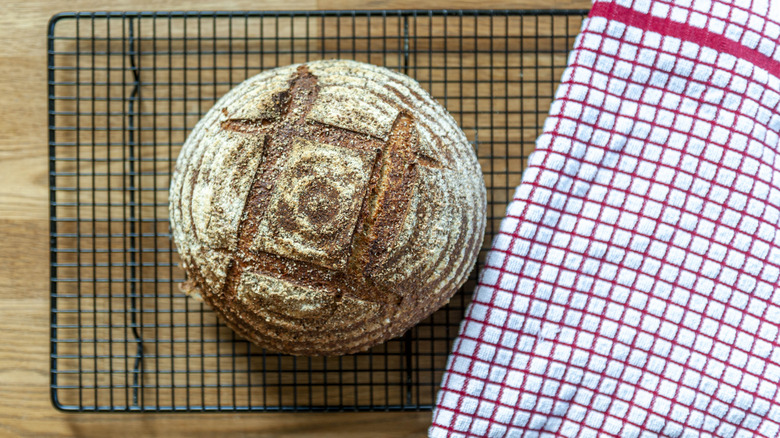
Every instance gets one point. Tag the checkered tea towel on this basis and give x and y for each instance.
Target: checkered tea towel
(633, 289)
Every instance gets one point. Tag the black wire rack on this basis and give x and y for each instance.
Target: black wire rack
(125, 89)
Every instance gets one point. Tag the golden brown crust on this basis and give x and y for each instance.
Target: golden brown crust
(323, 208)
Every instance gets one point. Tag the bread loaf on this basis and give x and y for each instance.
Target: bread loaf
(326, 207)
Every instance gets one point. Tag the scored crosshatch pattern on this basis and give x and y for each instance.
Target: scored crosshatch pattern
(632, 289)
(125, 89)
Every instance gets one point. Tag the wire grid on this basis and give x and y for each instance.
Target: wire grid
(125, 89)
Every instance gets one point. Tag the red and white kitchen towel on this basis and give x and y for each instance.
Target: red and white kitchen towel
(634, 287)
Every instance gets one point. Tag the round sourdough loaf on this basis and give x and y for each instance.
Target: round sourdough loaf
(326, 207)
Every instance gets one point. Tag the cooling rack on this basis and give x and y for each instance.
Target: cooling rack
(124, 91)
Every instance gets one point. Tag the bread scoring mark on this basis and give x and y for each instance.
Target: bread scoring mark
(387, 230)
(247, 126)
(428, 162)
(389, 196)
(315, 203)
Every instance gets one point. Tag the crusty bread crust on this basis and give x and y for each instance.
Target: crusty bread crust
(326, 207)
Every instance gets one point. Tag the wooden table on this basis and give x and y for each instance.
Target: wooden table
(25, 407)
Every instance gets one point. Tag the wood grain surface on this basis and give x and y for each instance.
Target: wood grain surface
(25, 406)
